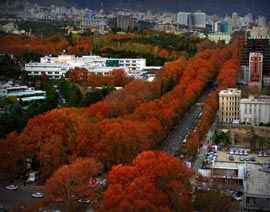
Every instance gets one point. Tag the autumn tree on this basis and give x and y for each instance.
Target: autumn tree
(71, 181)
(154, 182)
(79, 76)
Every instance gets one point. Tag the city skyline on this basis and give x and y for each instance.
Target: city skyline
(221, 7)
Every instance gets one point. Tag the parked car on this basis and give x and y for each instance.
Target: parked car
(245, 153)
(260, 154)
(252, 159)
(236, 152)
(12, 187)
(247, 158)
(231, 158)
(241, 152)
(231, 152)
(265, 154)
(241, 158)
(38, 195)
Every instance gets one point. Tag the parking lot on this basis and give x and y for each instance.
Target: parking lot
(223, 156)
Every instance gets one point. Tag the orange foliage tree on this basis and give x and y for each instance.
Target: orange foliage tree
(73, 181)
(154, 182)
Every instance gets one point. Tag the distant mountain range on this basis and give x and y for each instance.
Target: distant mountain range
(219, 7)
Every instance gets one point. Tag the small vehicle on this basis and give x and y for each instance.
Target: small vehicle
(240, 152)
(236, 152)
(231, 152)
(247, 158)
(231, 158)
(12, 187)
(241, 158)
(38, 195)
(237, 198)
(86, 201)
(245, 153)
(252, 159)
(260, 154)
(265, 154)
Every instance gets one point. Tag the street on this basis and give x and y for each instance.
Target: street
(23, 194)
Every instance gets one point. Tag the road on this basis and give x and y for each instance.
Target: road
(23, 194)
(187, 123)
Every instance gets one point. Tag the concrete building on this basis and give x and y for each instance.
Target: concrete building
(255, 110)
(184, 18)
(256, 186)
(255, 69)
(229, 104)
(199, 19)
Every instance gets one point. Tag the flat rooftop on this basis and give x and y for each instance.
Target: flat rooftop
(258, 182)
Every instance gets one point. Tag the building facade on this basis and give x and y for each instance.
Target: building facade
(255, 110)
(199, 19)
(255, 69)
(229, 104)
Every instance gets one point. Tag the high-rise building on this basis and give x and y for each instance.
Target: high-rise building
(255, 69)
(255, 110)
(255, 44)
(199, 19)
(261, 21)
(235, 20)
(184, 18)
(125, 22)
(229, 103)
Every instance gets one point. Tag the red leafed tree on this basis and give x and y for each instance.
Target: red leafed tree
(155, 181)
(79, 76)
(73, 181)
(193, 144)
(120, 77)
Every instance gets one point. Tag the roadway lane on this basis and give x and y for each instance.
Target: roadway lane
(181, 130)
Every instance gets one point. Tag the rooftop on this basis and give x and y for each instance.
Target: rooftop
(258, 182)
(230, 91)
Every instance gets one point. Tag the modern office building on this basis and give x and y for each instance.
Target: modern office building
(255, 110)
(199, 19)
(255, 44)
(255, 69)
(229, 104)
(184, 18)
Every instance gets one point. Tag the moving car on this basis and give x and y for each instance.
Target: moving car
(12, 187)
(38, 195)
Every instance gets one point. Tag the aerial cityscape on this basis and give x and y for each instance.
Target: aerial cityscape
(134, 105)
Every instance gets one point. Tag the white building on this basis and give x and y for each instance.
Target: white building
(255, 110)
(57, 67)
